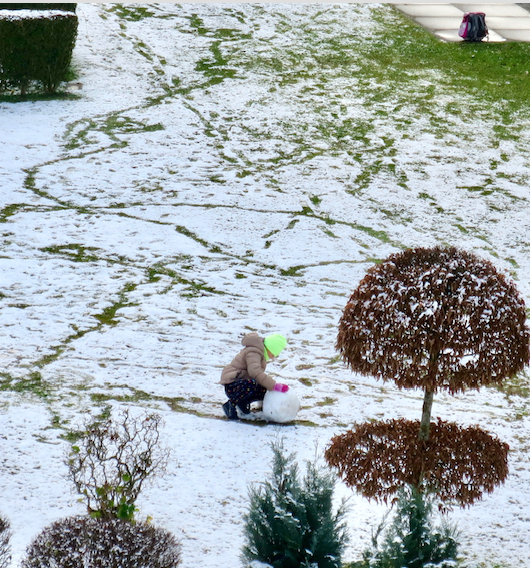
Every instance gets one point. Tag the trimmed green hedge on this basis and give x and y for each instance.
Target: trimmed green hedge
(36, 49)
(64, 7)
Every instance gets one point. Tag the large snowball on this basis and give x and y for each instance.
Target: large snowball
(280, 406)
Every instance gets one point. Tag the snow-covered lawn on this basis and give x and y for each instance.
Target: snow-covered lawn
(219, 174)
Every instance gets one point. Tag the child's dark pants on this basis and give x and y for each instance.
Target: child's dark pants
(244, 391)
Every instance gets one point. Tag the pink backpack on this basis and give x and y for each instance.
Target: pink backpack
(473, 26)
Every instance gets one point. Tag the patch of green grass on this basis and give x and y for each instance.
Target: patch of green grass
(380, 235)
(108, 315)
(461, 228)
(130, 12)
(136, 396)
(57, 351)
(9, 211)
(80, 133)
(516, 386)
(124, 124)
(328, 401)
(329, 233)
(216, 68)
(71, 436)
(74, 252)
(177, 404)
(34, 384)
(405, 50)
(243, 173)
(307, 423)
(192, 288)
(190, 234)
(217, 178)
(293, 271)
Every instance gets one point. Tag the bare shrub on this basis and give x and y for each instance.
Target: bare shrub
(112, 460)
(80, 542)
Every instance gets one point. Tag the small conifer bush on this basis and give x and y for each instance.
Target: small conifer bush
(411, 540)
(79, 542)
(291, 523)
(5, 537)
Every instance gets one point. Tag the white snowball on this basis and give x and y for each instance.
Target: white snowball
(280, 406)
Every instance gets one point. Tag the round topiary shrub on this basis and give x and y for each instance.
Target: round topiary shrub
(76, 542)
(440, 319)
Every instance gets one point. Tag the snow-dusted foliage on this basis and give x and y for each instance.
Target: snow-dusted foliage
(435, 318)
(459, 464)
(78, 542)
(291, 524)
(412, 539)
(430, 318)
(113, 459)
(5, 548)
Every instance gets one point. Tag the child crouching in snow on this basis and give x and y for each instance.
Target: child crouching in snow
(245, 379)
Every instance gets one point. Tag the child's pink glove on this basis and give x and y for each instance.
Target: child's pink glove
(281, 388)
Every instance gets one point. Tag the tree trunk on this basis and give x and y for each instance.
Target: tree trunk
(425, 425)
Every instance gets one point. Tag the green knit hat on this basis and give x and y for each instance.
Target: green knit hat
(275, 343)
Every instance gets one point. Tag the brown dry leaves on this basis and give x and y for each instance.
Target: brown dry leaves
(459, 464)
(437, 318)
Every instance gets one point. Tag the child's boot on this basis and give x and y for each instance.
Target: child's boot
(230, 410)
(244, 407)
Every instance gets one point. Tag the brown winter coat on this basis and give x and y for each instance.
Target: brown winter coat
(249, 363)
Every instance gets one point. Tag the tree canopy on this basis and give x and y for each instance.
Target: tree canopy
(458, 464)
(435, 318)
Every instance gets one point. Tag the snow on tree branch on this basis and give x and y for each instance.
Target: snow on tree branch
(435, 318)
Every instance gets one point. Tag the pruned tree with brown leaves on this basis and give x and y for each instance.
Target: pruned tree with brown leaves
(436, 319)
(459, 464)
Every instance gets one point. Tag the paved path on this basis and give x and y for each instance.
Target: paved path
(506, 22)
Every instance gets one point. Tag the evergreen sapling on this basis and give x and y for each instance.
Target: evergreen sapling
(290, 523)
(5, 546)
(412, 541)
